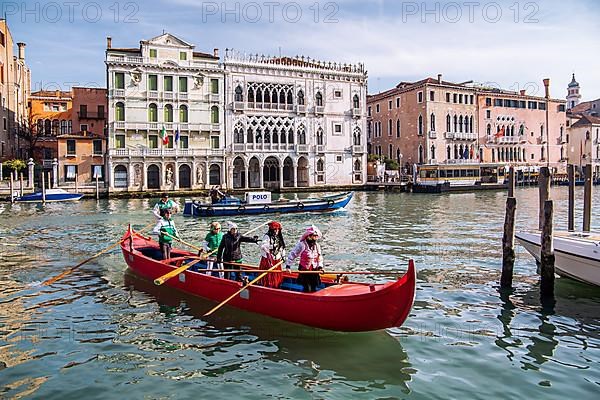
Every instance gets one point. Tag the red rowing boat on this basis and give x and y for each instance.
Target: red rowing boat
(347, 306)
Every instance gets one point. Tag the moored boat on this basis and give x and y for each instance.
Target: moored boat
(577, 255)
(348, 306)
(260, 203)
(51, 195)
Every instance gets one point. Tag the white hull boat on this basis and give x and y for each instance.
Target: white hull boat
(577, 255)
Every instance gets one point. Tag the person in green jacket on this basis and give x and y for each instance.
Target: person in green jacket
(211, 243)
(165, 228)
(164, 204)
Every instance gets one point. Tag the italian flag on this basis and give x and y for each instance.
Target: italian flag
(164, 137)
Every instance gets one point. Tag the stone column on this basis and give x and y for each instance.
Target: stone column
(176, 175)
(295, 173)
(30, 166)
(247, 172)
(109, 174)
(145, 176)
(55, 173)
(206, 175)
(281, 176)
(260, 174)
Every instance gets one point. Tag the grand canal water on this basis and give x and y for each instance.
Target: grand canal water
(101, 333)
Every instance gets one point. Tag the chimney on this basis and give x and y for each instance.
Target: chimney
(522, 92)
(439, 78)
(21, 50)
(108, 42)
(216, 52)
(547, 86)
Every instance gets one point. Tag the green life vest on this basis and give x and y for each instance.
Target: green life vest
(169, 229)
(213, 240)
(165, 205)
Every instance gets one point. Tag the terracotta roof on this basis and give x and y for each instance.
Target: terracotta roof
(51, 93)
(204, 55)
(582, 107)
(586, 120)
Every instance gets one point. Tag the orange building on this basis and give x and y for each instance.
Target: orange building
(49, 116)
(81, 152)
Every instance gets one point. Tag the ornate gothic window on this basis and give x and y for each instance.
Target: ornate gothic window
(300, 98)
(319, 99)
(239, 94)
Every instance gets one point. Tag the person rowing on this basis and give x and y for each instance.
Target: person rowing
(230, 251)
(164, 204)
(311, 259)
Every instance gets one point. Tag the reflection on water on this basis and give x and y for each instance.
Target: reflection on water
(101, 333)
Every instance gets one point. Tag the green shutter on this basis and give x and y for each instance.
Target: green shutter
(214, 86)
(183, 85)
(153, 53)
(119, 80)
(152, 82)
(168, 83)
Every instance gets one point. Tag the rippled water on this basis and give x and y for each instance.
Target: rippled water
(103, 333)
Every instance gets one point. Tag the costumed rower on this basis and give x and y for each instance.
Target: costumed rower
(311, 259)
(165, 228)
(230, 251)
(164, 204)
(272, 250)
(211, 243)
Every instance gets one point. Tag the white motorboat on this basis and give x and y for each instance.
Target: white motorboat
(577, 254)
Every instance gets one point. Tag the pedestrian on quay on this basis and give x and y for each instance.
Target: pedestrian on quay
(166, 230)
(230, 250)
(311, 259)
(272, 251)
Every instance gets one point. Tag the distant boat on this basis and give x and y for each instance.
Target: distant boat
(577, 255)
(51, 195)
(260, 203)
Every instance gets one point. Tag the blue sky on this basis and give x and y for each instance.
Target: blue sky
(509, 44)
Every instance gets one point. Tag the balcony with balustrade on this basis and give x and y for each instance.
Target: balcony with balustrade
(356, 113)
(319, 110)
(169, 126)
(145, 152)
(263, 147)
(432, 135)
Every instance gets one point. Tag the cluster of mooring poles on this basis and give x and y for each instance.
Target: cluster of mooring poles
(546, 213)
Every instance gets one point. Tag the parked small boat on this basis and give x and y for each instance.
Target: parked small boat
(348, 306)
(577, 255)
(260, 203)
(51, 195)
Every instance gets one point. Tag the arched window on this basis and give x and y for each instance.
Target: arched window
(267, 136)
(239, 93)
(471, 125)
(455, 124)
(355, 101)
(40, 127)
(319, 99)
(290, 98)
(542, 131)
(300, 98)
(448, 123)
(267, 95)
(390, 127)
(281, 97)
(152, 113)
(259, 95)
(320, 137)
(214, 114)
(258, 136)
(420, 125)
(282, 136)
(421, 154)
(356, 136)
(291, 136)
(183, 113)
(398, 128)
(250, 95)
(55, 127)
(238, 134)
(433, 123)
(119, 112)
(460, 123)
(433, 152)
(301, 135)
(275, 136)
(357, 166)
(320, 165)
(168, 113)
(448, 153)
(489, 129)
(250, 136)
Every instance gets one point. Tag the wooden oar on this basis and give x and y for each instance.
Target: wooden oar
(243, 288)
(162, 279)
(70, 270)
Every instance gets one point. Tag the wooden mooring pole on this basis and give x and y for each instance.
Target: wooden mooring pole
(544, 190)
(571, 217)
(508, 239)
(547, 252)
(21, 184)
(43, 187)
(587, 198)
(97, 188)
(11, 188)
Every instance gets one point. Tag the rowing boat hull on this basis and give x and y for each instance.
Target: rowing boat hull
(324, 204)
(348, 307)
